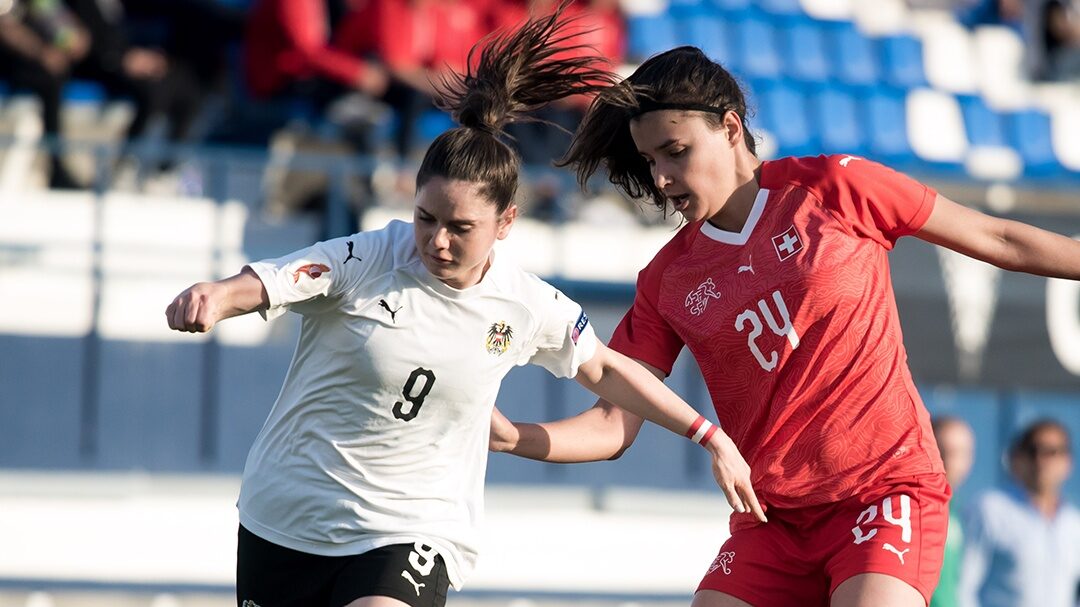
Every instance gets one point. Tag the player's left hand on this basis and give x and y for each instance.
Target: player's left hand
(732, 473)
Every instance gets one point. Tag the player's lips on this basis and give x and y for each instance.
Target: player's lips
(680, 202)
(440, 261)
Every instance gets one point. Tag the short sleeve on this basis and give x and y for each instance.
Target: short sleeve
(316, 279)
(875, 201)
(643, 334)
(565, 338)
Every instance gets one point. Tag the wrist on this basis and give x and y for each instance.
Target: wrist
(702, 431)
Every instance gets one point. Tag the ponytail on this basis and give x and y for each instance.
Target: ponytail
(510, 75)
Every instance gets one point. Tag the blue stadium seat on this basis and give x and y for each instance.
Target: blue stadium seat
(733, 8)
(1028, 132)
(783, 113)
(430, 125)
(649, 35)
(689, 8)
(886, 119)
(902, 62)
(781, 8)
(837, 111)
(805, 56)
(756, 49)
(984, 126)
(84, 91)
(711, 35)
(853, 55)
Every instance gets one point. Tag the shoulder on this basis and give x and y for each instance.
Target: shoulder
(823, 175)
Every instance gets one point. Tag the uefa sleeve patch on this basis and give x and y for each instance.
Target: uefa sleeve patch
(579, 326)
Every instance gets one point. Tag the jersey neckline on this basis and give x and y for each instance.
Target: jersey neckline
(739, 238)
(486, 284)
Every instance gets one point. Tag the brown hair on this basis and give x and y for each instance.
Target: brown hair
(682, 76)
(516, 73)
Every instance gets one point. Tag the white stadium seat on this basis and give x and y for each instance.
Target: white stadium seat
(936, 126)
(999, 53)
(947, 53)
(1065, 135)
(881, 17)
(828, 10)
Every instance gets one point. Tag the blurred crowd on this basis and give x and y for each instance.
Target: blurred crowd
(357, 76)
(1015, 545)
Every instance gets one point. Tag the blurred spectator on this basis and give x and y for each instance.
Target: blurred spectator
(956, 442)
(156, 85)
(417, 41)
(1052, 29)
(288, 50)
(1021, 542)
(39, 42)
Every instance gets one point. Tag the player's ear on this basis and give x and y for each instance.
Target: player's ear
(506, 221)
(733, 127)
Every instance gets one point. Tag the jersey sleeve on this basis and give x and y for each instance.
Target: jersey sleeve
(564, 338)
(316, 279)
(644, 334)
(875, 201)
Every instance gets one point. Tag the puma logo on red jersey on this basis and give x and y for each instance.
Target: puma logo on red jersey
(697, 299)
(313, 271)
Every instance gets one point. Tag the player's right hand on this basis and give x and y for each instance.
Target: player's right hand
(197, 309)
(732, 473)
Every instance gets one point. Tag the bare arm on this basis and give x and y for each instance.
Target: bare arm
(618, 379)
(600, 433)
(202, 305)
(1008, 244)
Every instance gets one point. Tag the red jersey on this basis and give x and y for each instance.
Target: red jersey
(794, 325)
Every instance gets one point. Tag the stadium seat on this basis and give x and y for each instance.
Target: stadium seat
(828, 10)
(983, 125)
(783, 113)
(989, 155)
(936, 128)
(836, 109)
(733, 8)
(430, 125)
(756, 49)
(902, 61)
(84, 91)
(805, 57)
(711, 35)
(1029, 133)
(886, 119)
(881, 17)
(999, 53)
(689, 8)
(1064, 125)
(947, 50)
(853, 55)
(781, 8)
(648, 35)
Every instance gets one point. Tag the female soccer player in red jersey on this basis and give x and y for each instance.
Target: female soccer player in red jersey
(779, 285)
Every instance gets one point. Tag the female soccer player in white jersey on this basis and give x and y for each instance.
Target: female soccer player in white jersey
(364, 487)
(779, 285)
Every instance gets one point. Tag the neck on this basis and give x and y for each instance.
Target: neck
(736, 210)
(1046, 502)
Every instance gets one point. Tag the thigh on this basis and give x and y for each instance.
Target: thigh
(767, 564)
(899, 532)
(268, 575)
(876, 590)
(411, 573)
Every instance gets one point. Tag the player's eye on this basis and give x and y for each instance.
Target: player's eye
(678, 152)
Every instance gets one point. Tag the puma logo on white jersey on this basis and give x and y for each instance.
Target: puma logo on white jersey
(405, 574)
(899, 554)
(846, 159)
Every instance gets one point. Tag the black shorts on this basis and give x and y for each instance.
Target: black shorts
(268, 575)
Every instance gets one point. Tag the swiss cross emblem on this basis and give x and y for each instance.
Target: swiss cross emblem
(787, 244)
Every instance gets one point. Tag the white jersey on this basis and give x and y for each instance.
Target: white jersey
(380, 433)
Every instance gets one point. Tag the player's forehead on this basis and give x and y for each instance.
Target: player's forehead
(454, 200)
(651, 131)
